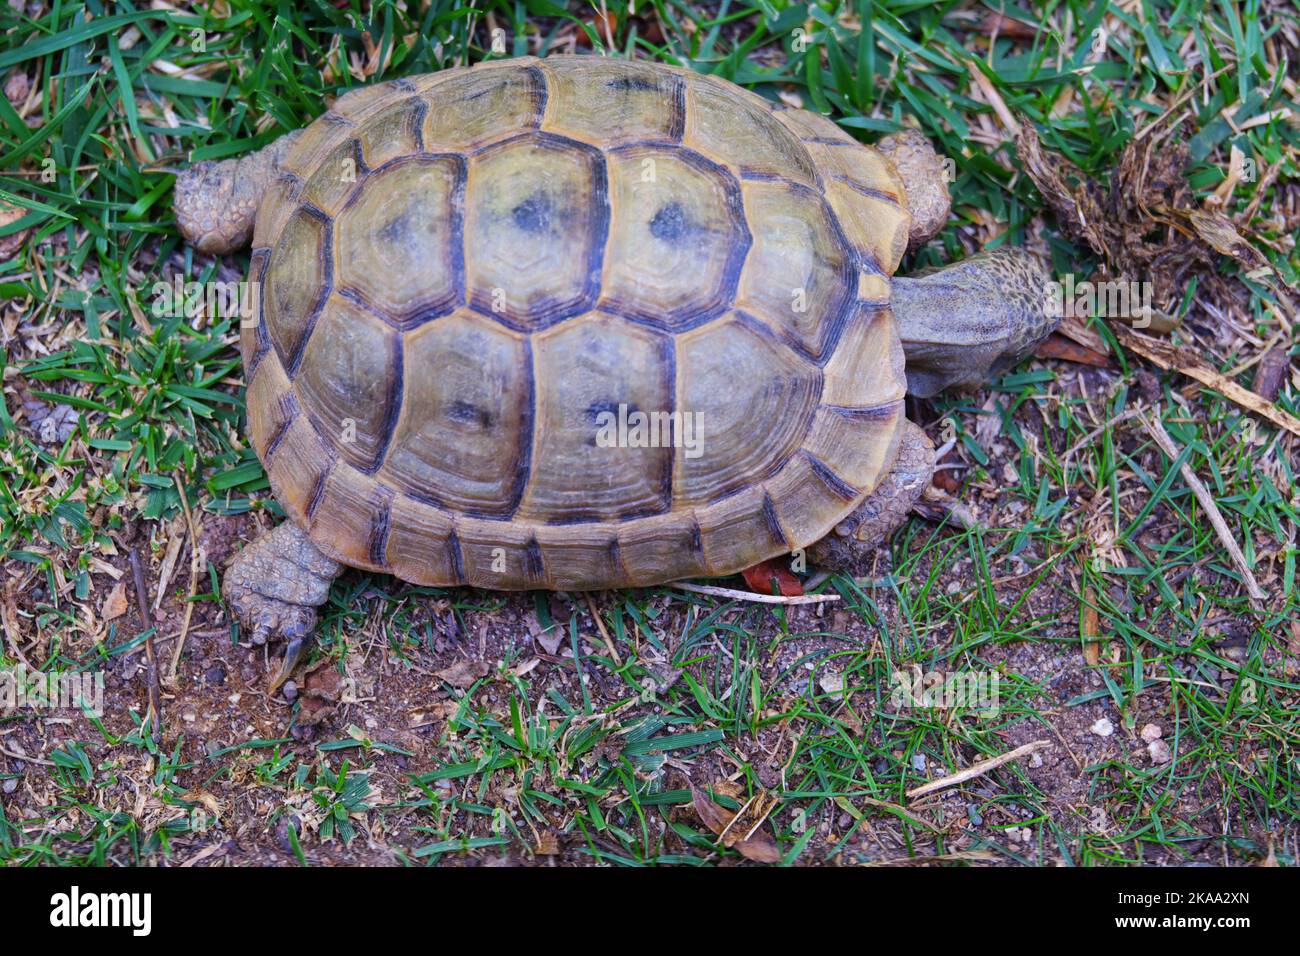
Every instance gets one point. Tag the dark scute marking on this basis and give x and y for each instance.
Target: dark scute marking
(458, 227)
(534, 214)
(626, 84)
(867, 190)
(426, 499)
(603, 407)
(534, 567)
(455, 557)
(318, 492)
(677, 124)
(288, 406)
(773, 525)
(335, 119)
(524, 466)
(468, 413)
(837, 485)
(671, 224)
(359, 158)
(380, 524)
(294, 182)
(403, 84)
(397, 230)
(486, 91)
(865, 413)
(696, 538)
(596, 409)
(539, 93)
(415, 120)
(615, 553)
(396, 393)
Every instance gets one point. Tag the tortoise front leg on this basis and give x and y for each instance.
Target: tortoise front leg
(884, 510)
(274, 587)
(216, 202)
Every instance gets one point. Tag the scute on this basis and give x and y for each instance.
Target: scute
(677, 239)
(799, 278)
(752, 398)
(465, 433)
(535, 226)
(635, 103)
(482, 105)
(296, 282)
(593, 373)
(468, 278)
(739, 127)
(350, 380)
(398, 242)
(393, 132)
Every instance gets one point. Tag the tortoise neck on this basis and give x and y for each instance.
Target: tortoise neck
(968, 322)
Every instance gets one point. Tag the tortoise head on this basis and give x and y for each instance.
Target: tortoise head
(216, 202)
(968, 322)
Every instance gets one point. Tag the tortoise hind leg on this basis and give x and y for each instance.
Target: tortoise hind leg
(274, 587)
(884, 510)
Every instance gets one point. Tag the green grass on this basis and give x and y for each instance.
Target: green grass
(134, 92)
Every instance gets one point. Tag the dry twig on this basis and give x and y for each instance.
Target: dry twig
(146, 619)
(757, 598)
(976, 769)
(1203, 495)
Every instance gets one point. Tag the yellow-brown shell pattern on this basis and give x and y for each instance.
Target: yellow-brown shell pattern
(470, 280)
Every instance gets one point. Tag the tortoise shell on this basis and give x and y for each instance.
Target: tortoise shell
(467, 278)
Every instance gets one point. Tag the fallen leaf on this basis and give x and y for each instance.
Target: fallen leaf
(1270, 374)
(1167, 356)
(115, 603)
(1090, 629)
(759, 578)
(547, 844)
(463, 673)
(1059, 347)
(10, 244)
(321, 692)
(751, 842)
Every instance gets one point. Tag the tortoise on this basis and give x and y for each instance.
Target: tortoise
(580, 323)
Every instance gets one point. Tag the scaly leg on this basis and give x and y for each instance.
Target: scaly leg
(870, 524)
(274, 587)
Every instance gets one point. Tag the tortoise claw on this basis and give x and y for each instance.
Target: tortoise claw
(294, 652)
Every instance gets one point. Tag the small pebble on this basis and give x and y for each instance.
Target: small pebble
(1152, 732)
(1103, 728)
(290, 690)
(1035, 760)
(1158, 750)
(918, 763)
(11, 785)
